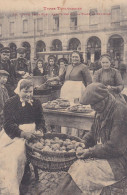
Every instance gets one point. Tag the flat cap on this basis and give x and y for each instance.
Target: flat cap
(4, 72)
(21, 50)
(94, 93)
(5, 50)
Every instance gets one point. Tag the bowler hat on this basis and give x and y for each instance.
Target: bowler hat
(5, 50)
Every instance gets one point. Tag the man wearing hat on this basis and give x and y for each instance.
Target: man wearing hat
(104, 159)
(3, 93)
(21, 64)
(6, 65)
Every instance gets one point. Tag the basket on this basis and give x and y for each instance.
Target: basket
(52, 161)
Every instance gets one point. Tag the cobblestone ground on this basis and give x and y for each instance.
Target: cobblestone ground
(45, 186)
(48, 182)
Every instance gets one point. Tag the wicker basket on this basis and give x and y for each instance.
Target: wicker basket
(52, 161)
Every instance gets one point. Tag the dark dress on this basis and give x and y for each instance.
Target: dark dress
(113, 78)
(15, 114)
(37, 72)
(77, 73)
(52, 71)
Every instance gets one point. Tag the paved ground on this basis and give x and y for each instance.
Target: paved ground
(45, 186)
(48, 182)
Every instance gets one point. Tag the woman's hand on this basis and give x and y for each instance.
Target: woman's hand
(82, 153)
(109, 87)
(50, 80)
(27, 135)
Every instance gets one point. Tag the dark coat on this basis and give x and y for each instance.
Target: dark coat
(3, 98)
(111, 128)
(11, 82)
(15, 115)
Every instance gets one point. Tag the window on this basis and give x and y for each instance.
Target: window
(25, 26)
(73, 21)
(0, 29)
(39, 24)
(115, 15)
(56, 22)
(11, 28)
(93, 17)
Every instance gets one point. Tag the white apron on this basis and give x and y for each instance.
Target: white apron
(72, 90)
(92, 175)
(12, 161)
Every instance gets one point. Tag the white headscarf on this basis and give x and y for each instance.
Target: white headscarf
(17, 90)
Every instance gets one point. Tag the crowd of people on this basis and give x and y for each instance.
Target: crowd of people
(103, 161)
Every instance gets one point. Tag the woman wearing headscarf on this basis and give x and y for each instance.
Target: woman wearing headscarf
(23, 115)
(76, 76)
(110, 77)
(104, 159)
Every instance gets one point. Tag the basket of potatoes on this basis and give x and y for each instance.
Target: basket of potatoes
(53, 151)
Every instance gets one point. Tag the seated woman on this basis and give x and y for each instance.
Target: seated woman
(110, 77)
(23, 115)
(104, 160)
(39, 70)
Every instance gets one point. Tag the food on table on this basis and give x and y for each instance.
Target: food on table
(80, 108)
(58, 145)
(57, 104)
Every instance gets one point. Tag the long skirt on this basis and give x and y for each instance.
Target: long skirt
(12, 161)
(87, 177)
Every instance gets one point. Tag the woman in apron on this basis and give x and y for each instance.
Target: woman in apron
(23, 115)
(76, 77)
(110, 77)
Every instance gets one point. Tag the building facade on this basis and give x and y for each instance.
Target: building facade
(91, 31)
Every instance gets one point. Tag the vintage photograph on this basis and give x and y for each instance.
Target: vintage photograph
(63, 97)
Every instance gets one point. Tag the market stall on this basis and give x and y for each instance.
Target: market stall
(69, 119)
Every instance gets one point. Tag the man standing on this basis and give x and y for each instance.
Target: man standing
(21, 64)
(6, 65)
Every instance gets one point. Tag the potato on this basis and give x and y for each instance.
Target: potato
(70, 147)
(77, 144)
(37, 154)
(46, 148)
(82, 145)
(38, 145)
(38, 132)
(72, 150)
(73, 142)
(79, 149)
(56, 139)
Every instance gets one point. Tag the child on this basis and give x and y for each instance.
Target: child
(3, 94)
